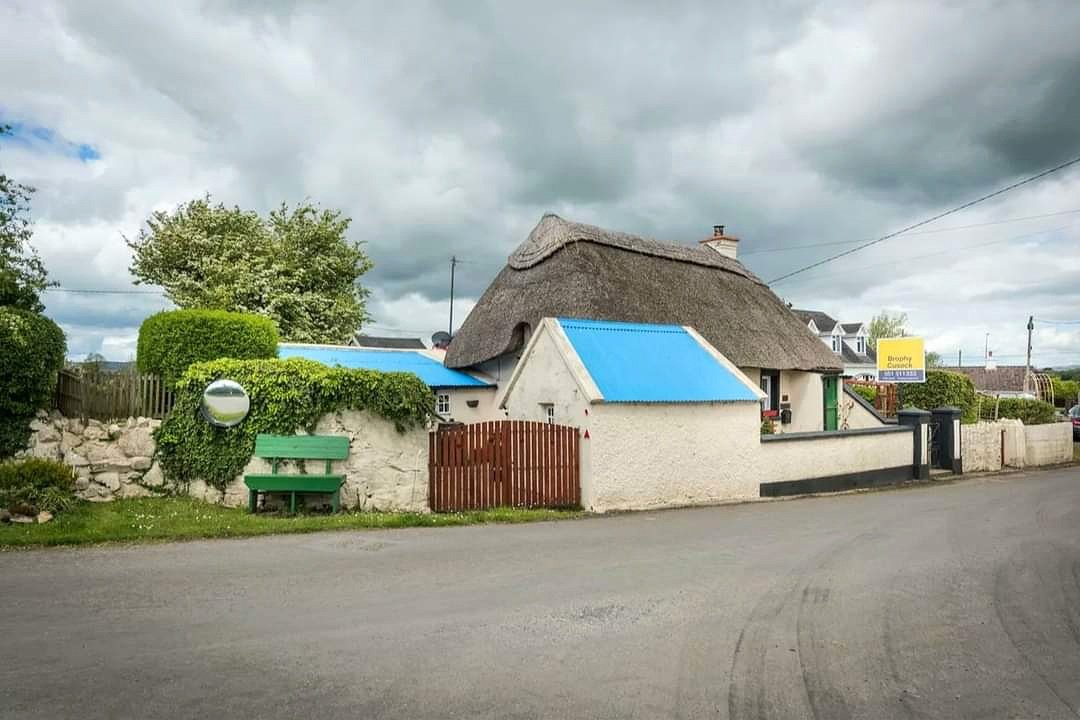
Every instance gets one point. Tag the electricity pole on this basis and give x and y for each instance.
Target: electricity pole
(453, 265)
(986, 350)
(959, 358)
(1027, 372)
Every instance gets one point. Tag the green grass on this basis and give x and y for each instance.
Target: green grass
(163, 519)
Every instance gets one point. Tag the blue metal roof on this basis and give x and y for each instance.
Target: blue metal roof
(632, 362)
(430, 371)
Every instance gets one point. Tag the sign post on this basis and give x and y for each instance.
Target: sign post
(901, 360)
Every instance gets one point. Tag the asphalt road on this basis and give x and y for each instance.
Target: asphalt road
(954, 601)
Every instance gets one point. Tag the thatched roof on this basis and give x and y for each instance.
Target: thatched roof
(567, 269)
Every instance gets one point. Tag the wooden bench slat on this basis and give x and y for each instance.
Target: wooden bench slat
(302, 447)
(294, 483)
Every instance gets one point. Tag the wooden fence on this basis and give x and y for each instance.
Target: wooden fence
(111, 396)
(504, 463)
(886, 402)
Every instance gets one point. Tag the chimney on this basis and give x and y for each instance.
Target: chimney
(726, 245)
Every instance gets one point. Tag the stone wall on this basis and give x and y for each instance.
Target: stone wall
(385, 470)
(111, 460)
(1024, 445)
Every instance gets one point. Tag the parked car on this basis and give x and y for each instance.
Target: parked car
(1074, 415)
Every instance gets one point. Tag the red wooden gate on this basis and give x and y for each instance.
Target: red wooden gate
(504, 463)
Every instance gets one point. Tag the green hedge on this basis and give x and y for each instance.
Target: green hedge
(286, 396)
(866, 392)
(29, 486)
(171, 341)
(1030, 412)
(32, 349)
(942, 388)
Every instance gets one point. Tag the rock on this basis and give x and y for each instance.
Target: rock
(69, 441)
(130, 423)
(110, 480)
(22, 519)
(47, 434)
(153, 476)
(134, 490)
(56, 417)
(37, 425)
(82, 482)
(5, 516)
(75, 426)
(138, 442)
(42, 414)
(44, 516)
(75, 460)
(95, 432)
(108, 458)
(49, 451)
(141, 463)
(143, 422)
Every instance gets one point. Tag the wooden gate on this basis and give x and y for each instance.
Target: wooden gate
(508, 463)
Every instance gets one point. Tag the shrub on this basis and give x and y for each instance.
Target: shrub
(286, 396)
(942, 388)
(32, 349)
(1030, 412)
(171, 341)
(866, 392)
(29, 486)
(767, 427)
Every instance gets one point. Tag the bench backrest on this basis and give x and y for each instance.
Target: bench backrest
(302, 447)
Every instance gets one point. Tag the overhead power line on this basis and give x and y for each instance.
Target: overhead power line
(1057, 322)
(954, 228)
(952, 211)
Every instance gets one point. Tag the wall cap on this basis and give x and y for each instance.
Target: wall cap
(827, 434)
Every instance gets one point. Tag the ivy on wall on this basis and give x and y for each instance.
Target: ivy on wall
(286, 396)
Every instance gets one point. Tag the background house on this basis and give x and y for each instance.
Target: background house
(459, 396)
(572, 270)
(1002, 380)
(850, 341)
(386, 343)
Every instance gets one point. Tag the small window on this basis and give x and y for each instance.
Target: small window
(442, 404)
(860, 345)
(836, 343)
(549, 412)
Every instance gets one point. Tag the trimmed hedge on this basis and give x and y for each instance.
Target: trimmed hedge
(286, 396)
(171, 341)
(29, 486)
(1030, 412)
(866, 392)
(32, 349)
(942, 388)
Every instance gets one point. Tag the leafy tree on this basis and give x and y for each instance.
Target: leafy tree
(885, 325)
(933, 359)
(22, 274)
(294, 266)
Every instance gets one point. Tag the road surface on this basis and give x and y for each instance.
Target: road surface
(952, 601)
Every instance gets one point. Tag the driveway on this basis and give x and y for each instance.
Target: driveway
(953, 601)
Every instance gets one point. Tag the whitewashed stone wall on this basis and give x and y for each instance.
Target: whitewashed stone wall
(1024, 445)
(385, 470)
(111, 460)
(1049, 444)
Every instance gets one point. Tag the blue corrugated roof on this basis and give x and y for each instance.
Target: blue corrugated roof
(430, 371)
(632, 362)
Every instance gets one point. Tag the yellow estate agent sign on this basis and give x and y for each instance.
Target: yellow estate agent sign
(901, 360)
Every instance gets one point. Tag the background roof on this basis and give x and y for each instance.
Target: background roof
(397, 343)
(632, 362)
(427, 369)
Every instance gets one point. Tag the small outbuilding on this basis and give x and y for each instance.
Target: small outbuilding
(657, 405)
(459, 396)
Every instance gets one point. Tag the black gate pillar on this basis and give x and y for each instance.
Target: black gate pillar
(949, 455)
(919, 422)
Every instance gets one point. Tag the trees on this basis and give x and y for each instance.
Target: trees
(885, 325)
(294, 266)
(22, 274)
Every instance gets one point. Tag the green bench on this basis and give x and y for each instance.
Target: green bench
(297, 447)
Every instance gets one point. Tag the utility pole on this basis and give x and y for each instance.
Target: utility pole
(453, 265)
(986, 350)
(960, 358)
(1027, 372)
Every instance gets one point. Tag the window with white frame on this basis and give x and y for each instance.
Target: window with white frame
(549, 412)
(860, 345)
(836, 340)
(442, 404)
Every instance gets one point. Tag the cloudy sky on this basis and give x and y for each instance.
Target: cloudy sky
(450, 128)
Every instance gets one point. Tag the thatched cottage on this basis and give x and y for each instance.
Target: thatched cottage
(572, 270)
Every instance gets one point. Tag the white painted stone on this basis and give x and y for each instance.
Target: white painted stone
(110, 480)
(153, 477)
(22, 519)
(137, 442)
(43, 517)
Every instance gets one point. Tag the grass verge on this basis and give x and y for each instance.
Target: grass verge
(163, 519)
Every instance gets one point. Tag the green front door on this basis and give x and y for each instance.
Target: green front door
(829, 386)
